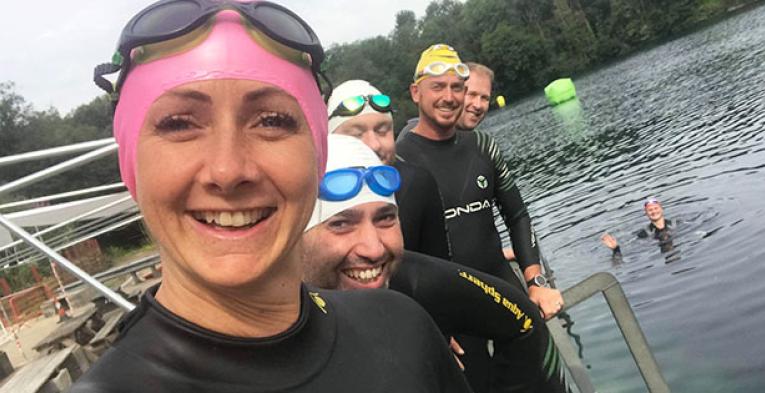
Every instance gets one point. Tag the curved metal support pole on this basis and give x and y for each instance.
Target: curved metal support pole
(82, 238)
(48, 198)
(625, 319)
(69, 221)
(58, 168)
(72, 268)
(54, 151)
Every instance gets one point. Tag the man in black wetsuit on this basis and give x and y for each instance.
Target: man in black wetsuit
(356, 244)
(477, 97)
(358, 109)
(471, 174)
(659, 228)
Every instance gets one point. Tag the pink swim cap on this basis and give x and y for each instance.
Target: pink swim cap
(229, 52)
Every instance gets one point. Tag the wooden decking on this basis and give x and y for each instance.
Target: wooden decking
(30, 378)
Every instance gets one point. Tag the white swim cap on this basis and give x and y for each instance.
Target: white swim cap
(347, 90)
(347, 152)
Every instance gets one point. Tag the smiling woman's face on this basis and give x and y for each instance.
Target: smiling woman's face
(226, 179)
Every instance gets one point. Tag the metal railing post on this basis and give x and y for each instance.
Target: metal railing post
(627, 322)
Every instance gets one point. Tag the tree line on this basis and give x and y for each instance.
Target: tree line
(23, 129)
(528, 43)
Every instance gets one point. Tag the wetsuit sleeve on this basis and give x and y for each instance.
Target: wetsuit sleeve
(463, 300)
(616, 255)
(511, 205)
(433, 231)
(410, 124)
(420, 211)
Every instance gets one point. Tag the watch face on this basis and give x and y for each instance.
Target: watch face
(540, 280)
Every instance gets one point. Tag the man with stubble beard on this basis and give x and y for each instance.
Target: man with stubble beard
(471, 174)
(353, 241)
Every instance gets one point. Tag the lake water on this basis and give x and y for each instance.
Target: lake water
(684, 122)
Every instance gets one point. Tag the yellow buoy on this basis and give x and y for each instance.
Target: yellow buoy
(501, 101)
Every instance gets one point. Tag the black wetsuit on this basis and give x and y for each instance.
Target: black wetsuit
(359, 341)
(472, 174)
(465, 301)
(663, 236)
(420, 212)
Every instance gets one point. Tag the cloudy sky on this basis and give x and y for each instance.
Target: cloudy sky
(49, 48)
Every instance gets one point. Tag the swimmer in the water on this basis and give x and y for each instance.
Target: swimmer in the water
(659, 228)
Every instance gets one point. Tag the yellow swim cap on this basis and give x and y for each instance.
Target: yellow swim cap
(437, 60)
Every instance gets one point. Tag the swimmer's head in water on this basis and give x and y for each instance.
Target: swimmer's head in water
(356, 243)
(225, 47)
(653, 209)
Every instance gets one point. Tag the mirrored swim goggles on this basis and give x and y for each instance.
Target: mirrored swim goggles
(438, 68)
(346, 183)
(169, 19)
(354, 105)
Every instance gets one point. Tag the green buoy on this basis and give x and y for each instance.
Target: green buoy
(560, 91)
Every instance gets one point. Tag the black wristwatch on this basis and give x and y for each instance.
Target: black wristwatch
(538, 281)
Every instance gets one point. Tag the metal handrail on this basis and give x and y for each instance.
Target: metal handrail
(625, 318)
(134, 266)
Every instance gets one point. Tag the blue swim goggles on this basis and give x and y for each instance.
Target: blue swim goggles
(343, 184)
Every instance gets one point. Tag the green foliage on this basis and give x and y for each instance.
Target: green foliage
(20, 277)
(117, 255)
(528, 43)
(13, 118)
(23, 129)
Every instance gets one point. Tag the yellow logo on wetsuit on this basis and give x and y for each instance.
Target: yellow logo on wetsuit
(499, 299)
(319, 301)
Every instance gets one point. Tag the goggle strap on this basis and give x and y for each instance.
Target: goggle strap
(328, 84)
(105, 69)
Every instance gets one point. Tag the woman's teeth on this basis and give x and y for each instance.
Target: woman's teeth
(235, 219)
(364, 275)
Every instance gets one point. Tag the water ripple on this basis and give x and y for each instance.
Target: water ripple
(685, 122)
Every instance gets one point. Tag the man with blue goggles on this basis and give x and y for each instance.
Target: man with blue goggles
(354, 242)
(360, 110)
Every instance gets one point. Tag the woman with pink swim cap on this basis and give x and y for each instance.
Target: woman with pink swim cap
(222, 142)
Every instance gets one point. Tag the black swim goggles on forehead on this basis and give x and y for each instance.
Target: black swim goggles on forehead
(168, 19)
(352, 106)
